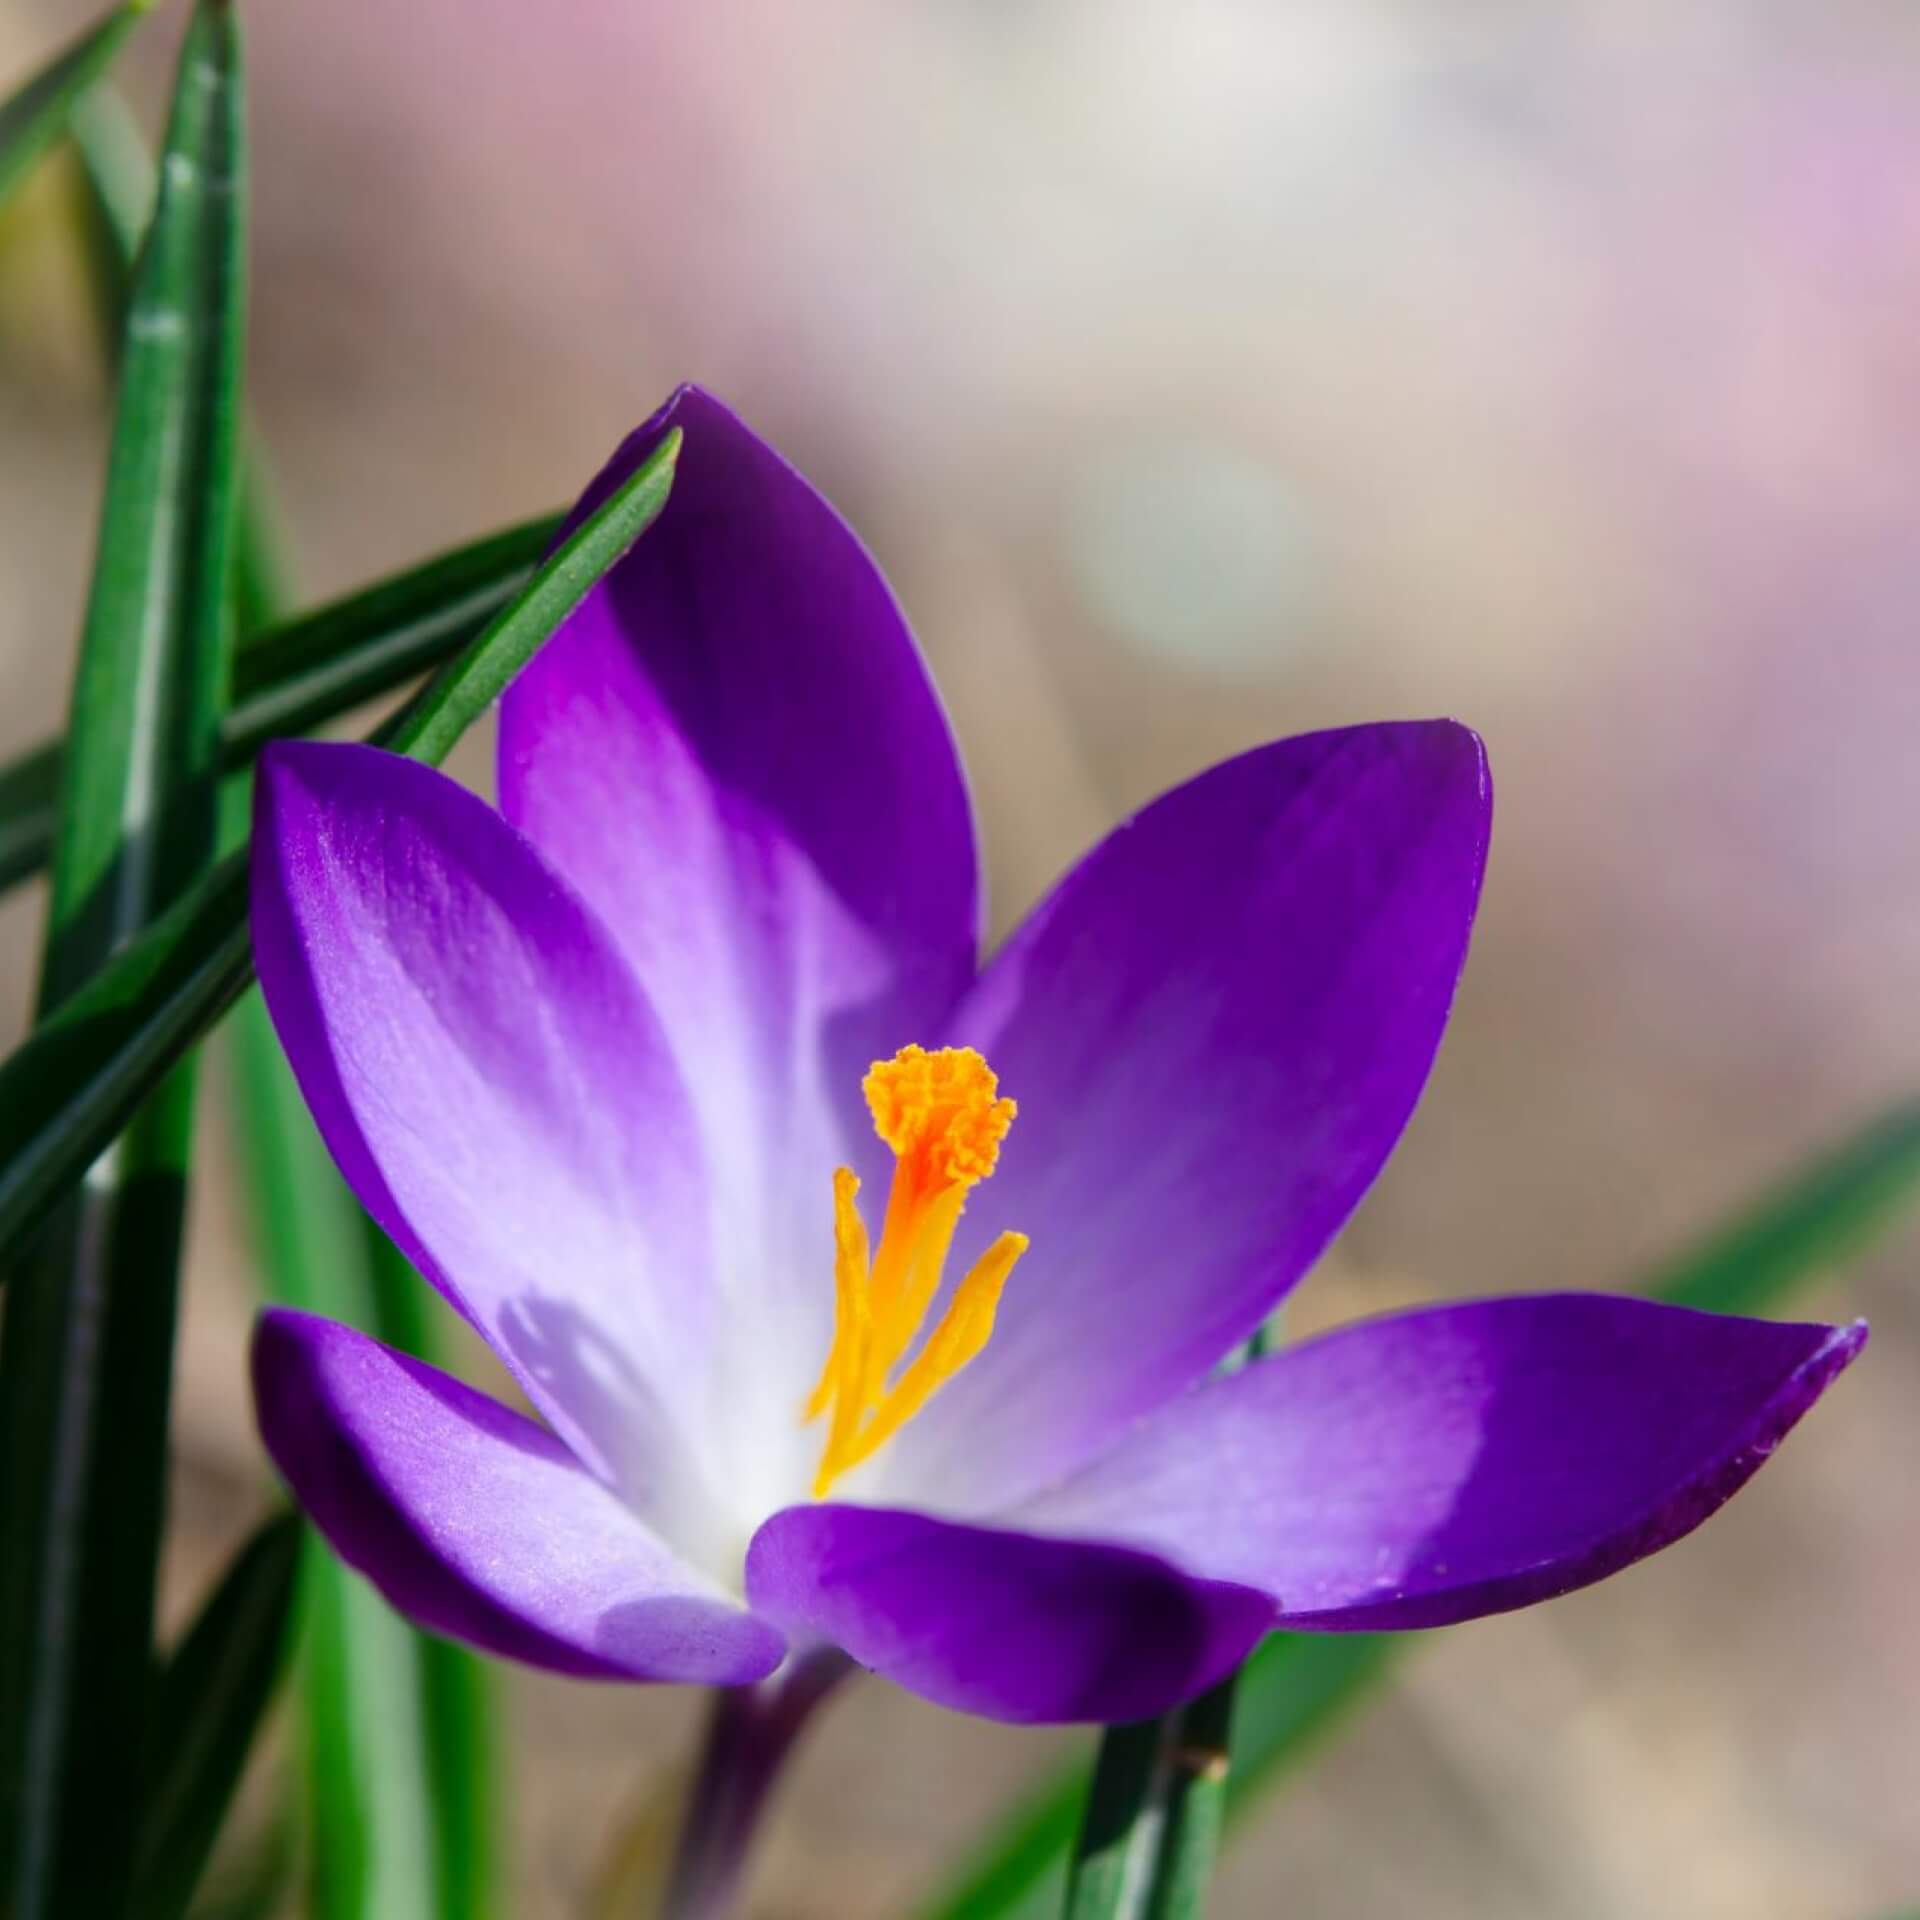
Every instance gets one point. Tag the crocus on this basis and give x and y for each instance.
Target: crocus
(875, 1299)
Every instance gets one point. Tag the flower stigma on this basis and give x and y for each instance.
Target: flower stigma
(941, 1114)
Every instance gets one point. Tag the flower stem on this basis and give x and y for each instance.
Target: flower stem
(1151, 1826)
(750, 1733)
(1196, 1797)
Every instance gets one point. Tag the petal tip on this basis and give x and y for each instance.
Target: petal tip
(1835, 1354)
(1458, 752)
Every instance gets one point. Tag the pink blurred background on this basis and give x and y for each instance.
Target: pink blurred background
(1204, 371)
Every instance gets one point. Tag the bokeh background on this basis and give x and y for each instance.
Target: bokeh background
(1205, 370)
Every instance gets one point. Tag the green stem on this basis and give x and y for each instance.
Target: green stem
(1113, 1864)
(1151, 1826)
(1197, 1765)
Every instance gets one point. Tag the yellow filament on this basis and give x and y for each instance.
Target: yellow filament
(942, 1115)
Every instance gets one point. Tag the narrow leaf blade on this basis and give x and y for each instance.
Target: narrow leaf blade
(427, 728)
(367, 1772)
(38, 112)
(85, 1366)
(1812, 1222)
(211, 1698)
(78, 1077)
(302, 673)
(29, 804)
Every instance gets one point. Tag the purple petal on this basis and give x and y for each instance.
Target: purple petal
(477, 1523)
(733, 752)
(1215, 1029)
(496, 1091)
(1456, 1461)
(1001, 1624)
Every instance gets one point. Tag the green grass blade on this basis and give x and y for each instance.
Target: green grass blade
(85, 1366)
(466, 1754)
(211, 1698)
(117, 186)
(29, 804)
(459, 1707)
(37, 113)
(1298, 1686)
(1811, 1223)
(423, 1821)
(78, 1077)
(250, 1880)
(138, 792)
(299, 675)
(368, 1775)
(117, 177)
(81, 1075)
(1019, 1872)
(427, 728)
(1295, 1691)
(261, 585)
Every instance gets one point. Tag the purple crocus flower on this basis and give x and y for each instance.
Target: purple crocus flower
(615, 1064)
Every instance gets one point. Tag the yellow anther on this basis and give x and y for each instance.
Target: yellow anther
(853, 1322)
(942, 1115)
(961, 1335)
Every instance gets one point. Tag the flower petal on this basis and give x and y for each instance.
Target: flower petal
(1001, 1624)
(1215, 1029)
(477, 1523)
(1457, 1461)
(733, 751)
(495, 1089)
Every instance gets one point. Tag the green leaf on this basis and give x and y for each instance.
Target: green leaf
(79, 1076)
(367, 1770)
(210, 1700)
(118, 182)
(465, 1752)
(85, 1365)
(297, 676)
(117, 174)
(259, 591)
(138, 793)
(249, 1880)
(29, 802)
(34, 116)
(1812, 1222)
(427, 728)
(1295, 1687)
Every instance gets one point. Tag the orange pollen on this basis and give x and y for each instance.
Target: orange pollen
(942, 1115)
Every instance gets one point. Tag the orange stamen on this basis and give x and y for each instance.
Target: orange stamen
(942, 1115)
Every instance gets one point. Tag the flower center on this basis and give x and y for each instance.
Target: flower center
(940, 1114)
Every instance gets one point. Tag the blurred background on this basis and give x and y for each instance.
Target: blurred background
(1201, 371)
